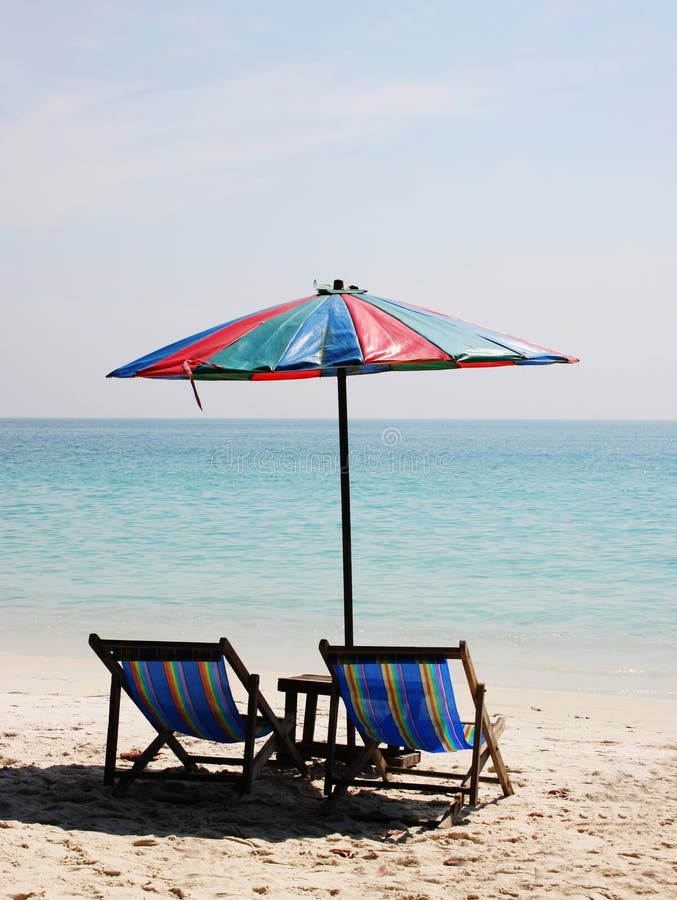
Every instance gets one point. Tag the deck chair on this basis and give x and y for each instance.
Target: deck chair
(403, 697)
(183, 688)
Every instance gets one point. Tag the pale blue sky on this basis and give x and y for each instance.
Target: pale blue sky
(167, 166)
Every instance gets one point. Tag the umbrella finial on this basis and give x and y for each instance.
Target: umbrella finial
(337, 287)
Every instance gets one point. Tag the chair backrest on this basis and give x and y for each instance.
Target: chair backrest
(400, 696)
(182, 687)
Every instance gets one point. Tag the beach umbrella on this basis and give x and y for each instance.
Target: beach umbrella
(337, 331)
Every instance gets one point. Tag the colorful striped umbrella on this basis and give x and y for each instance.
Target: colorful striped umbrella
(337, 331)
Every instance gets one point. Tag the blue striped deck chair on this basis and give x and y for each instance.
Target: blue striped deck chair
(183, 688)
(402, 697)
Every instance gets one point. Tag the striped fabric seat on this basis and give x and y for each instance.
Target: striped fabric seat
(189, 698)
(408, 703)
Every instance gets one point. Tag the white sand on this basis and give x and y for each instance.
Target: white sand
(593, 814)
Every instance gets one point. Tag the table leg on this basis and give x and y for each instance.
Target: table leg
(350, 733)
(291, 709)
(309, 717)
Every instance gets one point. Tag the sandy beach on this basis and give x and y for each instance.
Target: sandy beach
(593, 815)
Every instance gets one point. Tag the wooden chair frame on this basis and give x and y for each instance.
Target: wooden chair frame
(337, 783)
(113, 652)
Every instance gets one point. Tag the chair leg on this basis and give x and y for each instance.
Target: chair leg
(380, 763)
(180, 752)
(282, 728)
(248, 760)
(491, 735)
(141, 762)
(367, 752)
(331, 742)
(452, 814)
(477, 739)
(263, 755)
(282, 732)
(112, 736)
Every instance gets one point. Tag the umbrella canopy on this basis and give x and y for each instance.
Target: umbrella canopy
(338, 332)
(334, 330)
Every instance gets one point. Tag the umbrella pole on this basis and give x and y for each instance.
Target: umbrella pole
(345, 509)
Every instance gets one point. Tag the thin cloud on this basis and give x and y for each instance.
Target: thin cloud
(97, 153)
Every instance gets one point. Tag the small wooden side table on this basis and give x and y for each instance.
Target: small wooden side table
(313, 686)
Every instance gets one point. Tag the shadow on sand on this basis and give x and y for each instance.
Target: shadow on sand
(281, 806)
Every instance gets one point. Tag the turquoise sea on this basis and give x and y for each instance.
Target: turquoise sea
(548, 546)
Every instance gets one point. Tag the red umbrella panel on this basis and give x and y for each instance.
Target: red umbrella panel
(337, 331)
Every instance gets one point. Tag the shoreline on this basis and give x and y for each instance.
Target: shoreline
(24, 673)
(75, 668)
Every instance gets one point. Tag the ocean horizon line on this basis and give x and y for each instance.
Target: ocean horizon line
(206, 417)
